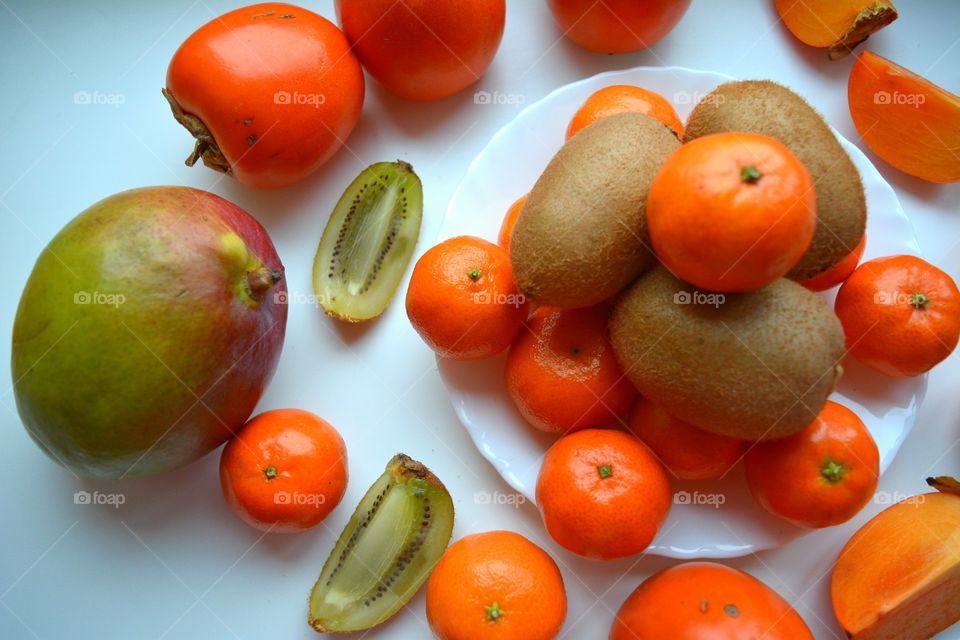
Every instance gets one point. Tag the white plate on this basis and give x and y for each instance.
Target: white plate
(506, 169)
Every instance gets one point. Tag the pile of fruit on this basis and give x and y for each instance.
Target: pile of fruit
(654, 293)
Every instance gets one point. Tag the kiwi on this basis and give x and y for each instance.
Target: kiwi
(368, 242)
(386, 552)
(757, 365)
(761, 106)
(582, 233)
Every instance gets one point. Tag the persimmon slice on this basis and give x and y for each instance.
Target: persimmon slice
(907, 120)
(835, 25)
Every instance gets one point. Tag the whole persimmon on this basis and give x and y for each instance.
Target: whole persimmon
(819, 477)
(285, 471)
(562, 374)
(462, 299)
(901, 315)
(602, 493)
(620, 98)
(496, 585)
(424, 49)
(706, 600)
(690, 453)
(617, 26)
(731, 212)
(509, 221)
(270, 92)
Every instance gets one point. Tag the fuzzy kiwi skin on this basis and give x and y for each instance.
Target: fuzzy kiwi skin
(582, 234)
(758, 366)
(761, 106)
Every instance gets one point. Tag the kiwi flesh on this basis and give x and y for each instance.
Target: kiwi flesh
(582, 233)
(768, 108)
(756, 366)
(386, 552)
(368, 242)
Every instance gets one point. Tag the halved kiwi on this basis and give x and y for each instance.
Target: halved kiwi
(368, 242)
(392, 542)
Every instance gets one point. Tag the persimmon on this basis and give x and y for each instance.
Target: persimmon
(839, 272)
(509, 221)
(688, 452)
(905, 119)
(602, 493)
(270, 92)
(620, 98)
(285, 471)
(424, 49)
(835, 25)
(498, 586)
(562, 374)
(900, 314)
(706, 600)
(617, 26)
(819, 477)
(899, 576)
(462, 299)
(731, 212)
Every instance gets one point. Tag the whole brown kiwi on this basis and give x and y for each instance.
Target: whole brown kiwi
(756, 365)
(582, 235)
(761, 106)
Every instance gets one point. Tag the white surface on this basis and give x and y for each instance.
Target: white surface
(173, 562)
(718, 519)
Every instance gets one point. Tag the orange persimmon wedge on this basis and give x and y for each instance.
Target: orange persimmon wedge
(907, 120)
(835, 25)
(898, 578)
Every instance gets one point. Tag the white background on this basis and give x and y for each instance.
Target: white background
(173, 562)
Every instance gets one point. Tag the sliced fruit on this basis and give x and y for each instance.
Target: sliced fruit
(899, 576)
(368, 242)
(907, 120)
(386, 552)
(835, 25)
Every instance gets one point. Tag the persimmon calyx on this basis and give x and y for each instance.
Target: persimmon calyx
(945, 484)
(205, 147)
(867, 22)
